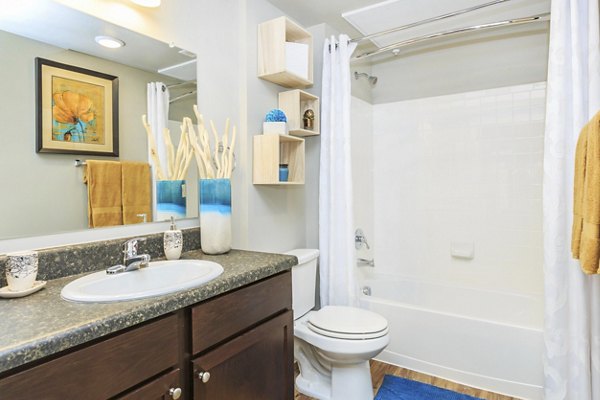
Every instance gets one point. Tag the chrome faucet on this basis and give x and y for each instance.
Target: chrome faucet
(365, 262)
(131, 259)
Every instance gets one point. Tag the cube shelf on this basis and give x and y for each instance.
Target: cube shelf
(294, 103)
(276, 40)
(272, 150)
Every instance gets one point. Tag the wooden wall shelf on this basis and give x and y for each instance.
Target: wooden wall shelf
(272, 150)
(272, 61)
(294, 103)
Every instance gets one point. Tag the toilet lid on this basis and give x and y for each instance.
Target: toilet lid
(348, 323)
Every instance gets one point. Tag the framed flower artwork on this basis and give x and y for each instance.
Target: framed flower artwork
(77, 110)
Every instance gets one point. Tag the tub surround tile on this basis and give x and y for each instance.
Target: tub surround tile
(44, 324)
(63, 261)
(460, 167)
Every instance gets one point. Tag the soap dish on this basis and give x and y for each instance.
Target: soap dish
(9, 294)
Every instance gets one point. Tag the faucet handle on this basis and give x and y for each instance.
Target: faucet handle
(130, 247)
(360, 239)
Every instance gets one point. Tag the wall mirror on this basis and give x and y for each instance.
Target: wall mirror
(44, 193)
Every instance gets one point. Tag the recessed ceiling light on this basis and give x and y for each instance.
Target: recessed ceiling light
(147, 3)
(109, 42)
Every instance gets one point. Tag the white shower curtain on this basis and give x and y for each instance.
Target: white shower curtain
(336, 222)
(572, 299)
(158, 117)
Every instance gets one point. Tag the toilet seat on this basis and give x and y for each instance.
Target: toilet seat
(347, 336)
(347, 323)
(343, 347)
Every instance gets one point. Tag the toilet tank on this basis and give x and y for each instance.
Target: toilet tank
(304, 280)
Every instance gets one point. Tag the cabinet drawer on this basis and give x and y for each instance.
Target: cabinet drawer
(228, 315)
(158, 389)
(102, 370)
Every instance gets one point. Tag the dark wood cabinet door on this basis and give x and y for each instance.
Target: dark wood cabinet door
(102, 370)
(166, 387)
(257, 365)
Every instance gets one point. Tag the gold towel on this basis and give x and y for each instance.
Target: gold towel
(585, 241)
(137, 192)
(104, 193)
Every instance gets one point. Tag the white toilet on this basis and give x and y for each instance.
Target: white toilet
(334, 344)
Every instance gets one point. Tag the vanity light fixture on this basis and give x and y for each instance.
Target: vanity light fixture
(110, 42)
(147, 3)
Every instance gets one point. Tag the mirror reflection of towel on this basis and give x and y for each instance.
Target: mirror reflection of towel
(585, 242)
(118, 193)
(105, 206)
(136, 192)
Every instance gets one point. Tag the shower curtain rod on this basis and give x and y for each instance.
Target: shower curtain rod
(428, 20)
(173, 100)
(419, 39)
(181, 84)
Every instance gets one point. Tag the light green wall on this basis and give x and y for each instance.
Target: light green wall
(264, 218)
(223, 35)
(48, 194)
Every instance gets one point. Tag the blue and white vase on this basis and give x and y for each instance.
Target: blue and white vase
(215, 215)
(170, 200)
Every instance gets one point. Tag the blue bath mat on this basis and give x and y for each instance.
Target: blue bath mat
(396, 388)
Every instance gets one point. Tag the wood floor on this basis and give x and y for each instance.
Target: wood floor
(379, 370)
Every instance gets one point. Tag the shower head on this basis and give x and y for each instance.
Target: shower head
(372, 79)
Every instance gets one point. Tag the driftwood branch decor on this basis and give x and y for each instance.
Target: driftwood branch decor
(215, 163)
(212, 163)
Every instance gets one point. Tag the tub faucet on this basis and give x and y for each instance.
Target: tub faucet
(365, 261)
(131, 259)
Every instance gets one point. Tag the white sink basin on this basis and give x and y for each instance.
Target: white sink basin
(159, 278)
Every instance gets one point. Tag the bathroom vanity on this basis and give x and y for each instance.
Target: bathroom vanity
(229, 339)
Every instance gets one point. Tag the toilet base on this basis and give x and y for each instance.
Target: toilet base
(318, 389)
(345, 382)
(352, 382)
(324, 381)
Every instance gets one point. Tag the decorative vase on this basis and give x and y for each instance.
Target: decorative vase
(170, 200)
(215, 215)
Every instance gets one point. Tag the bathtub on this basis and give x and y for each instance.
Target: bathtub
(485, 339)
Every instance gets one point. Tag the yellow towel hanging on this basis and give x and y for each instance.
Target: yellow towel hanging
(136, 192)
(585, 240)
(105, 205)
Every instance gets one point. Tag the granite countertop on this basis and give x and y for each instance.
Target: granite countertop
(43, 323)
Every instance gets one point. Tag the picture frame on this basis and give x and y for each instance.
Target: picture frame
(77, 110)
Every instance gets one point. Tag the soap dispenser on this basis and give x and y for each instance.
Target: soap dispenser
(173, 242)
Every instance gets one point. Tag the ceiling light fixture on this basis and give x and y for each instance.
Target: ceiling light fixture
(110, 42)
(147, 3)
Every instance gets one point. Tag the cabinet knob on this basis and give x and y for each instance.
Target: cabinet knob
(175, 393)
(204, 376)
